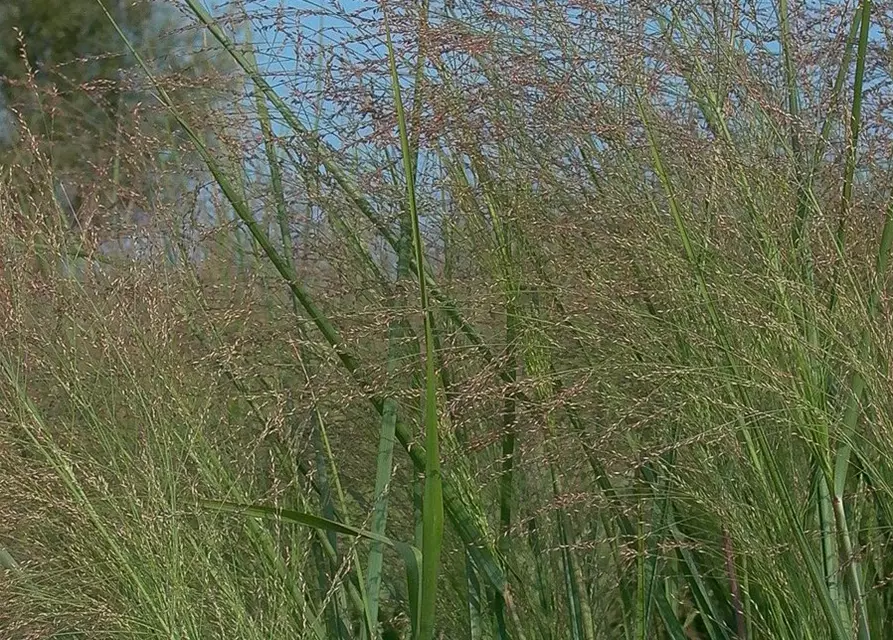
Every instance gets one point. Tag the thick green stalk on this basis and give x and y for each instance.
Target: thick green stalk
(855, 122)
(798, 232)
(830, 559)
(857, 383)
(397, 349)
(800, 174)
(384, 466)
(369, 620)
(432, 505)
(849, 171)
(476, 600)
(266, 129)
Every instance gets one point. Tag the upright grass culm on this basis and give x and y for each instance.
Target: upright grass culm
(432, 504)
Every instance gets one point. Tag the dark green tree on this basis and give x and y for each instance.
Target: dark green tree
(61, 61)
(69, 82)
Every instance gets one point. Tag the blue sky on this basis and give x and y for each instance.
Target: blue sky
(305, 19)
(270, 41)
(277, 57)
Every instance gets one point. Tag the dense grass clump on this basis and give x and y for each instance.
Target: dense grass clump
(489, 321)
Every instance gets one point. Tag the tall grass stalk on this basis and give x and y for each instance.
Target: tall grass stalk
(432, 505)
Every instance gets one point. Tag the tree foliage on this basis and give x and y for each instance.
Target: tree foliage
(69, 86)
